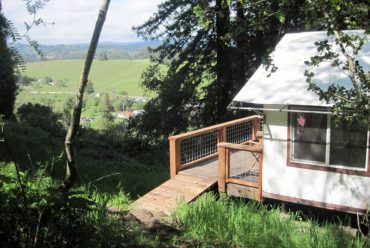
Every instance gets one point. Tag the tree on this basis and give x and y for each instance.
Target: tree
(68, 106)
(210, 49)
(23, 79)
(90, 87)
(10, 57)
(106, 108)
(70, 140)
(39, 116)
(349, 104)
(103, 56)
(8, 86)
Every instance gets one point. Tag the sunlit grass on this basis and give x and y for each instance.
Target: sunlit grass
(230, 223)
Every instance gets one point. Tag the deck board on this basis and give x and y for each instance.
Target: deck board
(166, 197)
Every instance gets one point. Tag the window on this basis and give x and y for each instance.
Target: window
(316, 140)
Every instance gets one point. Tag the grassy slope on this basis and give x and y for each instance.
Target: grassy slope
(98, 157)
(106, 75)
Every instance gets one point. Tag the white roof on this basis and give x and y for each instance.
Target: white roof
(287, 86)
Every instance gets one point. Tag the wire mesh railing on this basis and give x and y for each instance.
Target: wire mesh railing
(239, 133)
(243, 165)
(189, 148)
(198, 147)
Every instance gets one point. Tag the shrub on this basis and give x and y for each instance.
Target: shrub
(39, 116)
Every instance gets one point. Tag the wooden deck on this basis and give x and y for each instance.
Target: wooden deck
(190, 183)
(226, 153)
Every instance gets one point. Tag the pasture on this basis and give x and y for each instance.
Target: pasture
(107, 76)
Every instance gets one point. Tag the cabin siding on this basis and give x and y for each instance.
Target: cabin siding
(320, 186)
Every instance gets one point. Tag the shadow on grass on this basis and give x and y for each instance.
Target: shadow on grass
(101, 159)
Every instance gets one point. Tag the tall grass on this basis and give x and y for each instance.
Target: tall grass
(229, 223)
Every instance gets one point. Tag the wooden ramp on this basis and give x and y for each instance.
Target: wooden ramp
(164, 198)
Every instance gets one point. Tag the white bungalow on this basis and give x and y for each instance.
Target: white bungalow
(306, 159)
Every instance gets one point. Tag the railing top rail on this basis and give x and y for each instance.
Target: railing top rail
(254, 148)
(211, 128)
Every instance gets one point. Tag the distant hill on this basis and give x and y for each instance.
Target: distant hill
(106, 50)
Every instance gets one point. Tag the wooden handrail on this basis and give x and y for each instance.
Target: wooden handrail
(249, 148)
(211, 128)
(175, 153)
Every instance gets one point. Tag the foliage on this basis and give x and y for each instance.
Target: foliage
(230, 223)
(78, 219)
(36, 115)
(106, 109)
(32, 6)
(350, 104)
(8, 86)
(103, 56)
(89, 87)
(67, 111)
(59, 221)
(211, 48)
(24, 79)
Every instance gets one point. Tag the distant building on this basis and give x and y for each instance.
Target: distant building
(125, 115)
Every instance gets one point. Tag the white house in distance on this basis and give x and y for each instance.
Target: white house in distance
(306, 159)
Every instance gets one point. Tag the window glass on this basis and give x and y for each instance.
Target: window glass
(348, 144)
(309, 136)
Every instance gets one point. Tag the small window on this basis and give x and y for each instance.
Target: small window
(316, 140)
(309, 134)
(348, 144)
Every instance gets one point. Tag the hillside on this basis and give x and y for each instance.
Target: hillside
(107, 76)
(133, 50)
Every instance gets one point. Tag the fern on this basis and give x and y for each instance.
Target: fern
(34, 5)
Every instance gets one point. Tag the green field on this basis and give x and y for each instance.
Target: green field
(107, 76)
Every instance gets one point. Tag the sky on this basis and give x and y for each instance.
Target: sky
(75, 20)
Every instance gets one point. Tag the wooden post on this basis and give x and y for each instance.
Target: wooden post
(256, 128)
(175, 159)
(222, 151)
(221, 135)
(260, 177)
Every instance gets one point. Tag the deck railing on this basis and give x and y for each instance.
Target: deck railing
(190, 148)
(251, 177)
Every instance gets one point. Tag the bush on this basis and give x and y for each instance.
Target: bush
(39, 116)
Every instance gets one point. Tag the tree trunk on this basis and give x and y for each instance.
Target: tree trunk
(223, 67)
(70, 141)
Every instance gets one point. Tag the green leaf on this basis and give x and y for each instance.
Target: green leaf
(281, 18)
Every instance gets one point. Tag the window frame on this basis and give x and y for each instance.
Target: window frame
(326, 166)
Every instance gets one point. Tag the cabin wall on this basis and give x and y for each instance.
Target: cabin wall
(298, 183)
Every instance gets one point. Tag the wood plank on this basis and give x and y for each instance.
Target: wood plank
(166, 197)
(242, 191)
(242, 182)
(254, 148)
(193, 178)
